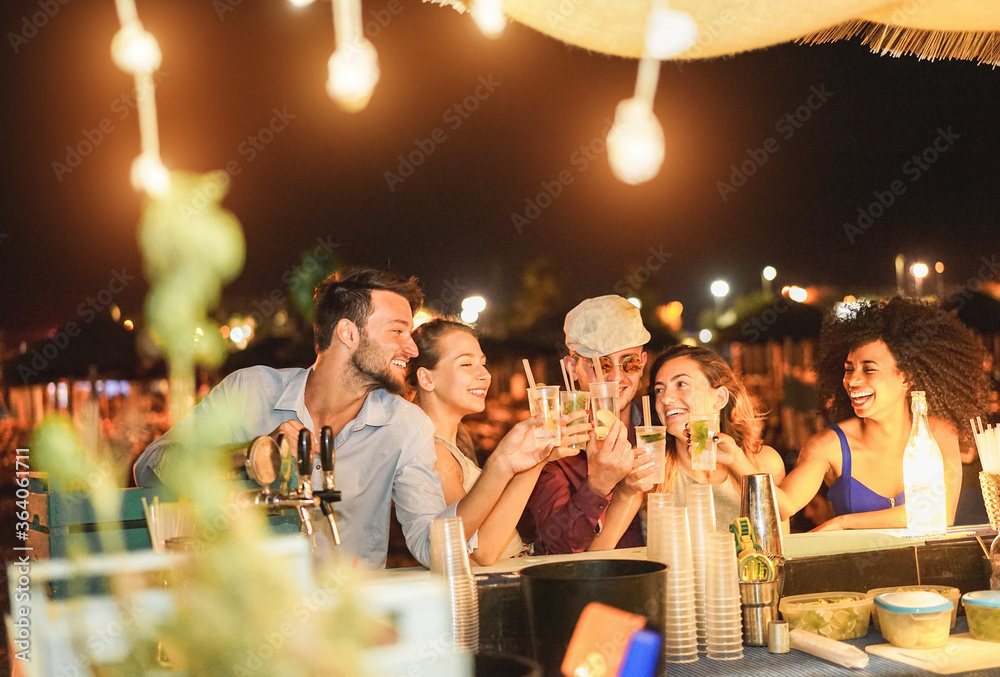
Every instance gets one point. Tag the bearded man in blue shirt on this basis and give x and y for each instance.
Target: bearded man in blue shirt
(384, 444)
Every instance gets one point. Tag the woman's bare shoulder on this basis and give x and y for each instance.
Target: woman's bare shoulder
(770, 461)
(825, 442)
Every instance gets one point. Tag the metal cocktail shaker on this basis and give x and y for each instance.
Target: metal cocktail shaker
(759, 504)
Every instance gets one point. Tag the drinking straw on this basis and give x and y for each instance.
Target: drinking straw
(527, 372)
(596, 359)
(986, 551)
(569, 386)
(646, 418)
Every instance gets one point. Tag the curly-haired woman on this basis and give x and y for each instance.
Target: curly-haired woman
(871, 358)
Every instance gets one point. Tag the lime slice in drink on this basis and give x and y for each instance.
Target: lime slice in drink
(699, 437)
(649, 438)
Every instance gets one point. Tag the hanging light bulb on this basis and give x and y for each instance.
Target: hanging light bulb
(489, 16)
(668, 32)
(148, 174)
(301, 3)
(635, 142)
(135, 50)
(353, 74)
(353, 68)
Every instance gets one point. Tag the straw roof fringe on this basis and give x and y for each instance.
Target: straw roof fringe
(980, 46)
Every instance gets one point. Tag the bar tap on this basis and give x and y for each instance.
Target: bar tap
(304, 490)
(268, 462)
(329, 494)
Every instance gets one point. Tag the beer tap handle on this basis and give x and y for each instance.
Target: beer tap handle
(305, 461)
(326, 456)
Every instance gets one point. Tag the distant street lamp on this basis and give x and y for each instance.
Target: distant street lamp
(719, 289)
(919, 272)
(766, 277)
(798, 294)
(472, 306)
(939, 269)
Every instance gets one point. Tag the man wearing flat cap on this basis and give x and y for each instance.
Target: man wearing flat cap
(590, 501)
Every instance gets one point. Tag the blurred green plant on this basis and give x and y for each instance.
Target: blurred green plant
(310, 271)
(240, 610)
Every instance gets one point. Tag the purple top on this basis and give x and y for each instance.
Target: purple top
(848, 495)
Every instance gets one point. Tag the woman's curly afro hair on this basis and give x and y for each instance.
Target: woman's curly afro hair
(936, 352)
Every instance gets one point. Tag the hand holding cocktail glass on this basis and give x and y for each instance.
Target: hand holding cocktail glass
(518, 450)
(610, 460)
(703, 423)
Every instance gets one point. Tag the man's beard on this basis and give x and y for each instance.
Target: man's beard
(370, 365)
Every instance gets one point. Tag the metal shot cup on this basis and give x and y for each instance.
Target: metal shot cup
(704, 428)
(777, 637)
(604, 406)
(759, 504)
(759, 603)
(570, 401)
(544, 400)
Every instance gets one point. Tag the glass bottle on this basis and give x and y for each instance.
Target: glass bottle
(923, 473)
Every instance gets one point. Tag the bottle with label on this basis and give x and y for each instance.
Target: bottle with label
(923, 473)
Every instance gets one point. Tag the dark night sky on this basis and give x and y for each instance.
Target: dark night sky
(323, 175)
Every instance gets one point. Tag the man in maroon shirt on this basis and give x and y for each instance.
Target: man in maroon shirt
(590, 501)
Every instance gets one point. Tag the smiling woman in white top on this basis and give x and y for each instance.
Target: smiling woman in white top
(674, 378)
(451, 382)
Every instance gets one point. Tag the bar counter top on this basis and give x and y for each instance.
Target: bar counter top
(815, 562)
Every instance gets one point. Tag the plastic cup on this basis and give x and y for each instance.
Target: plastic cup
(544, 400)
(450, 559)
(653, 439)
(570, 401)
(703, 447)
(604, 406)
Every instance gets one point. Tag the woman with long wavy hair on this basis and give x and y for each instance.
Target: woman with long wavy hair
(675, 376)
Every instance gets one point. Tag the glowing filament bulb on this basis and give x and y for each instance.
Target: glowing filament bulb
(635, 142)
(135, 50)
(668, 32)
(489, 16)
(301, 3)
(149, 174)
(353, 75)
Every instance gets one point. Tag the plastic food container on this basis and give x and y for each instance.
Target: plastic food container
(837, 615)
(917, 619)
(982, 608)
(954, 594)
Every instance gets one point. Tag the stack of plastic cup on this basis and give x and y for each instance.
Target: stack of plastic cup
(450, 559)
(667, 529)
(701, 519)
(723, 623)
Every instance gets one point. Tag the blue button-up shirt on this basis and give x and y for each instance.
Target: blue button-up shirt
(385, 454)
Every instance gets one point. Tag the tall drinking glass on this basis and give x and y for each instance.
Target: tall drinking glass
(604, 405)
(704, 427)
(574, 400)
(653, 439)
(544, 400)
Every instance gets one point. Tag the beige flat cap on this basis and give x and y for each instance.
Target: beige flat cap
(604, 325)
